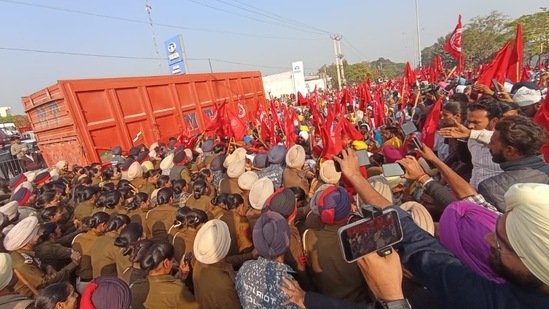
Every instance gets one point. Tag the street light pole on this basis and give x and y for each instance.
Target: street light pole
(418, 34)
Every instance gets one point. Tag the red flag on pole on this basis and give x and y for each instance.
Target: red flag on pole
(453, 45)
(238, 128)
(431, 125)
(515, 60)
(409, 74)
(497, 68)
(542, 118)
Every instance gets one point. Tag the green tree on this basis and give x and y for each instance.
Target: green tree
(18, 120)
(387, 68)
(534, 31)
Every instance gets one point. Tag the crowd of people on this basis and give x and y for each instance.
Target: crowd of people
(224, 223)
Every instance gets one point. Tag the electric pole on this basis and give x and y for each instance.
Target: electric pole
(336, 38)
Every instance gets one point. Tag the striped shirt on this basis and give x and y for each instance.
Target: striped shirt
(483, 166)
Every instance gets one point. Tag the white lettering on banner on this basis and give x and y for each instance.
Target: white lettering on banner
(173, 56)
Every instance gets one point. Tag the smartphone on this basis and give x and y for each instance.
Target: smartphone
(496, 85)
(363, 157)
(336, 164)
(392, 169)
(369, 235)
(408, 128)
(417, 143)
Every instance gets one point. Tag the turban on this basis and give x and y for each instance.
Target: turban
(260, 192)
(238, 155)
(381, 185)
(328, 173)
(207, 145)
(106, 293)
(462, 228)
(333, 204)
(295, 157)
(271, 235)
(117, 150)
(180, 156)
(282, 202)
(21, 234)
(134, 152)
(527, 225)
(6, 270)
(17, 180)
(22, 195)
(142, 157)
(167, 162)
(304, 135)
(526, 97)
(60, 164)
(135, 171)
(212, 242)
(10, 209)
(421, 216)
(277, 154)
(247, 180)
(30, 176)
(127, 163)
(147, 166)
(392, 154)
(261, 160)
(236, 168)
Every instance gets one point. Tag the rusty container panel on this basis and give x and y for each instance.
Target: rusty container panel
(81, 120)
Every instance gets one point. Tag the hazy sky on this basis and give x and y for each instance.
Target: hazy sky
(284, 31)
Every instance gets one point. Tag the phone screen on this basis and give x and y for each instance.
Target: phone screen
(392, 169)
(496, 86)
(408, 128)
(363, 158)
(366, 236)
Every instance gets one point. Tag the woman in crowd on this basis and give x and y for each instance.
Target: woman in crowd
(83, 244)
(48, 250)
(159, 219)
(105, 254)
(110, 202)
(151, 177)
(200, 198)
(57, 296)
(162, 290)
(85, 202)
(137, 210)
(136, 252)
(129, 235)
(181, 195)
(175, 232)
(208, 177)
(106, 293)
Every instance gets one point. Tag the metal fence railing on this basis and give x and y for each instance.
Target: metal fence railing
(12, 167)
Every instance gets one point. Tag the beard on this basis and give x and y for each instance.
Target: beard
(524, 280)
(498, 157)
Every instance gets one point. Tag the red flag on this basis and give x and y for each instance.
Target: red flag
(497, 67)
(525, 74)
(379, 111)
(350, 131)
(302, 101)
(431, 125)
(542, 118)
(453, 45)
(238, 128)
(515, 60)
(409, 74)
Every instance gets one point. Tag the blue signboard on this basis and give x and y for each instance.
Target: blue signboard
(174, 50)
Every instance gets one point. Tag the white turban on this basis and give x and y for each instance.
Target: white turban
(420, 215)
(212, 242)
(6, 270)
(247, 180)
(527, 226)
(59, 165)
(10, 209)
(260, 192)
(236, 168)
(21, 234)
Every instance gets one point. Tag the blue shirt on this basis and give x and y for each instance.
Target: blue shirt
(257, 284)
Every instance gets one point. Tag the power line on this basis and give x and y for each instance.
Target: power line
(355, 50)
(156, 24)
(271, 15)
(253, 18)
(139, 58)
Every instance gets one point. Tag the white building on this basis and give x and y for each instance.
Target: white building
(283, 83)
(5, 112)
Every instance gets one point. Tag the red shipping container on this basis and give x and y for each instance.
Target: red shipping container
(81, 120)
